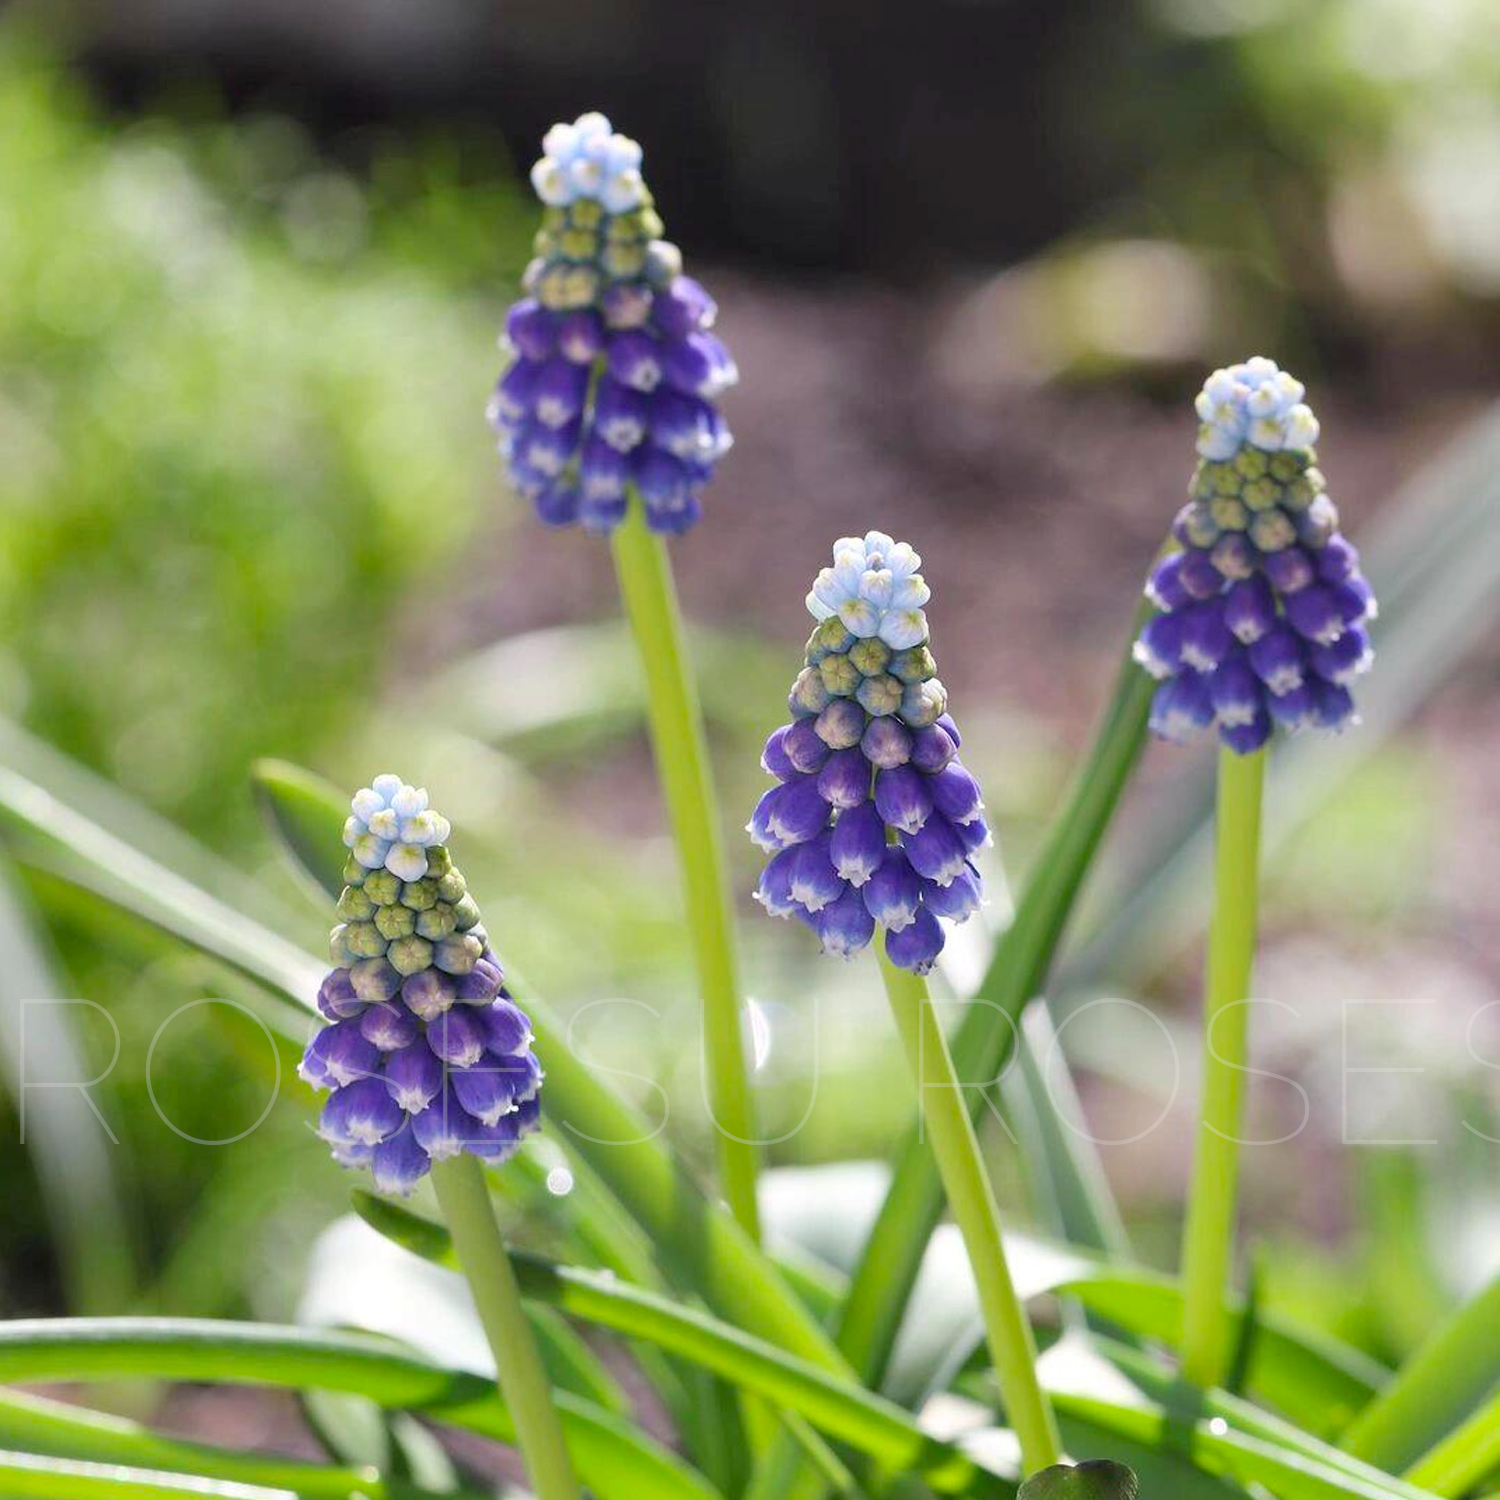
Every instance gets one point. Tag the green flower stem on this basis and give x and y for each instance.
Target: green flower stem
(956, 1150)
(465, 1202)
(646, 586)
(1208, 1238)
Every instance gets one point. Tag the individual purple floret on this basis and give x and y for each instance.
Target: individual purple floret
(874, 818)
(615, 372)
(424, 1054)
(1264, 612)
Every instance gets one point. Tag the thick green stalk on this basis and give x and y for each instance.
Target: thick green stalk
(465, 1202)
(646, 586)
(1208, 1238)
(956, 1149)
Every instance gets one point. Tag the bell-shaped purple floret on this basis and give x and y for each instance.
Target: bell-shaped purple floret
(790, 813)
(887, 743)
(774, 758)
(1159, 647)
(1236, 691)
(1314, 614)
(935, 850)
(1344, 659)
(558, 504)
(558, 396)
(445, 1127)
(814, 881)
(1164, 586)
(844, 781)
(428, 993)
(893, 893)
(482, 983)
(389, 1025)
(1295, 710)
(687, 427)
(603, 473)
(414, 1076)
(399, 1163)
(1335, 706)
(958, 900)
(1337, 560)
(620, 415)
(1199, 578)
(956, 794)
(457, 1037)
(804, 746)
(933, 747)
(547, 449)
(1244, 738)
(489, 1091)
(682, 307)
(635, 360)
(1249, 609)
(336, 997)
(698, 365)
(916, 947)
(1206, 640)
(845, 926)
(531, 329)
(1181, 707)
(374, 980)
(361, 1112)
(662, 480)
(580, 336)
(346, 1053)
(507, 1028)
(858, 844)
(903, 797)
(841, 725)
(975, 834)
(1355, 599)
(774, 890)
(1277, 658)
(1289, 570)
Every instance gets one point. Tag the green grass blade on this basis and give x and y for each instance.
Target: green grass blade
(27, 1476)
(1436, 1390)
(295, 803)
(1465, 1458)
(56, 1430)
(843, 1411)
(883, 1281)
(615, 1460)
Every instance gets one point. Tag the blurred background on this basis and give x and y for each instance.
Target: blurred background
(974, 261)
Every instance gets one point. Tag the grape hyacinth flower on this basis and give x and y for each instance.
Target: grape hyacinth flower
(615, 374)
(874, 819)
(1264, 611)
(424, 1054)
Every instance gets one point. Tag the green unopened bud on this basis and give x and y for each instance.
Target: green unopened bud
(439, 861)
(1272, 530)
(924, 703)
(1286, 466)
(808, 695)
(411, 955)
(451, 886)
(354, 872)
(1304, 489)
(880, 695)
(1229, 512)
(436, 923)
(363, 939)
(1094, 1479)
(834, 634)
(419, 895)
(914, 665)
(354, 905)
(383, 888)
(623, 262)
(578, 244)
(1318, 522)
(870, 656)
(456, 955)
(1223, 479)
(663, 262)
(840, 676)
(1261, 494)
(395, 921)
(1251, 463)
(585, 213)
(338, 950)
(1199, 527)
(465, 914)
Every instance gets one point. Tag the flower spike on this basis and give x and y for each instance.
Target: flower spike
(424, 1053)
(875, 818)
(1264, 611)
(615, 373)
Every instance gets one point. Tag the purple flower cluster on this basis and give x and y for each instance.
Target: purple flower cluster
(424, 1052)
(874, 818)
(615, 373)
(1264, 611)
